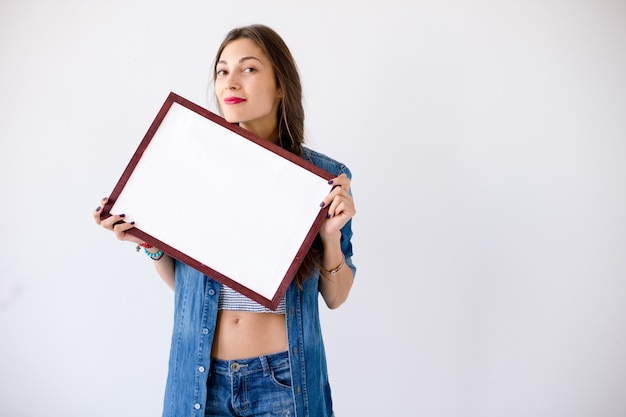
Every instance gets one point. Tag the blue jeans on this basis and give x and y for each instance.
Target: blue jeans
(254, 387)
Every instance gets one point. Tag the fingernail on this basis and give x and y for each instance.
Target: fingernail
(104, 198)
(122, 215)
(322, 204)
(328, 216)
(98, 209)
(330, 181)
(132, 222)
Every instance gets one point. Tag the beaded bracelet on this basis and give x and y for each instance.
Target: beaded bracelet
(339, 268)
(155, 256)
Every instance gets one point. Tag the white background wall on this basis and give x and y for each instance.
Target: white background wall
(487, 142)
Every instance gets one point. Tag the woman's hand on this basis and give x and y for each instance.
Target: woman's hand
(115, 223)
(340, 207)
(338, 279)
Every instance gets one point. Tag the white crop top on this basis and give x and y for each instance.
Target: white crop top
(233, 300)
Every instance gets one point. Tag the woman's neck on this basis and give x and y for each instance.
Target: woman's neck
(265, 132)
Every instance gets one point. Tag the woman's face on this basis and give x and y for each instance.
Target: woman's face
(246, 88)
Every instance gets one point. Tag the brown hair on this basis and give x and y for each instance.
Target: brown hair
(290, 111)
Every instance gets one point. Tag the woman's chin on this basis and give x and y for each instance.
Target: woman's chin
(231, 119)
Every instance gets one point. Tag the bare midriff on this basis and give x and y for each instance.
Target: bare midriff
(242, 334)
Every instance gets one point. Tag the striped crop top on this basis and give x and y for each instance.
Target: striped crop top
(233, 300)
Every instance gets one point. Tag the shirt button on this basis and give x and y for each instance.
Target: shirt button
(205, 331)
(211, 291)
(201, 369)
(197, 406)
(235, 367)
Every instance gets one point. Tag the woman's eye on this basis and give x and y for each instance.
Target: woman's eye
(221, 72)
(249, 69)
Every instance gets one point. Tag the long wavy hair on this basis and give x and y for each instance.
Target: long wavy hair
(290, 110)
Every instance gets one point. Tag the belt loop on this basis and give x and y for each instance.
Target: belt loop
(265, 365)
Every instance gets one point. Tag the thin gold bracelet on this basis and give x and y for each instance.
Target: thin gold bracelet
(335, 271)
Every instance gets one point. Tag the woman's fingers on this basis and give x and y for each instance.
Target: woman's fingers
(111, 221)
(341, 185)
(115, 223)
(98, 211)
(340, 203)
(120, 230)
(341, 181)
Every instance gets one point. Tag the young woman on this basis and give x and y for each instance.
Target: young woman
(231, 356)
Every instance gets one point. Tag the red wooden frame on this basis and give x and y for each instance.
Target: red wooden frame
(199, 264)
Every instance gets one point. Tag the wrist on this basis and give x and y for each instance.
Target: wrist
(151, 251)
(154, 253)
(330, 238)
(338, 267)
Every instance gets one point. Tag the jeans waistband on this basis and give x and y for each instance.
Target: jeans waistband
(262, 363)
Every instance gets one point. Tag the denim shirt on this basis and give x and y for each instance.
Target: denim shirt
(195, 318)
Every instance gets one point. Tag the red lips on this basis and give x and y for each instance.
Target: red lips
(233, 100)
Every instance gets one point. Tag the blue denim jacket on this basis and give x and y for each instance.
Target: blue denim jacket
(195, 317)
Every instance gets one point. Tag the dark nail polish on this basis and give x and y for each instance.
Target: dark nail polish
(322, 204)
(330, 181)
(104, 198)
(328, 216)
(122, 215)
(98, 209)
(132, 223)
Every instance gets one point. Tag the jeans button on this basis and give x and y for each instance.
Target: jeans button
(235, 366)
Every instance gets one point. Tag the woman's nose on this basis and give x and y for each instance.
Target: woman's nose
(231, 82)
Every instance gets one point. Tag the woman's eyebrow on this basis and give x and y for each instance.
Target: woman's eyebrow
(245, 58)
